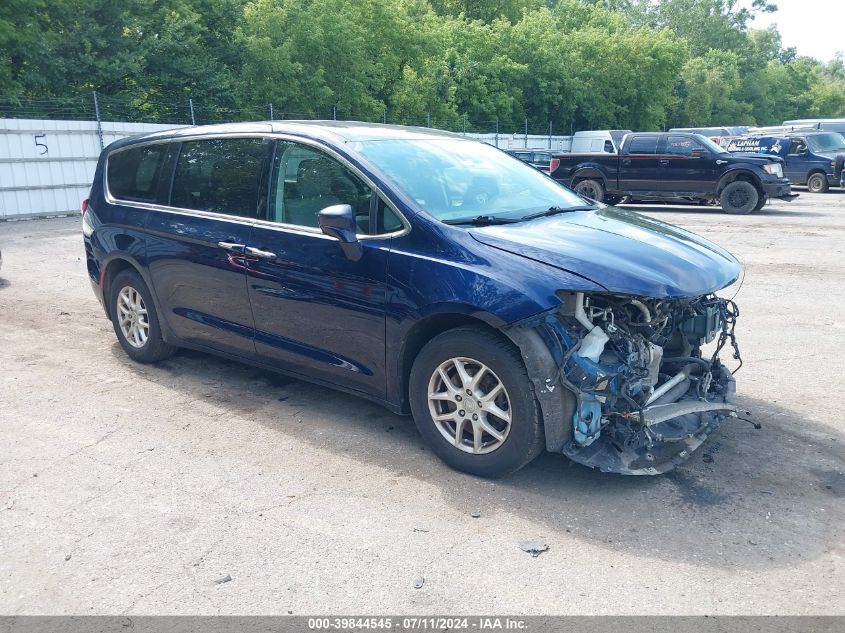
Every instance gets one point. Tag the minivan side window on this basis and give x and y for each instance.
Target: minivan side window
(219, 175)
(642, 145)
(305, 180)
(133, 174)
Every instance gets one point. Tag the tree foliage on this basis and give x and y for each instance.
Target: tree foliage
(571, 64)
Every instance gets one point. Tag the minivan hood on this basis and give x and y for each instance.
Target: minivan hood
(624, 252)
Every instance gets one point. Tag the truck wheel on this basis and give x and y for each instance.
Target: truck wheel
(739, 197)
(761, 203)
(817, 183)
(473, 403)
(591, 189)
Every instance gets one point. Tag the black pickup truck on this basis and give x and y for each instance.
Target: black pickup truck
(674, 166)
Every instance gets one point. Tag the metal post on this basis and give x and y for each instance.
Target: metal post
(191, 105)
(550, 134)
(384, 115)
(464, 117)
(99, 123)
(428, 119)
(271, 112)
(526, 133)
(497, 131)
(334, 113)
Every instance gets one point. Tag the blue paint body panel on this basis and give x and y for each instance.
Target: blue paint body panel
(320, 315)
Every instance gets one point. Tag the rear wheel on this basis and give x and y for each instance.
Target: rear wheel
(473, 403)
(591, 189)
(817, 183)
(739, 197)
(135, 319)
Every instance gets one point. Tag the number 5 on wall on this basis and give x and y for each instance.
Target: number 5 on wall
(40, 145)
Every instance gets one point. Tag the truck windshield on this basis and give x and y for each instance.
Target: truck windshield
(831, 142)
(454, 178)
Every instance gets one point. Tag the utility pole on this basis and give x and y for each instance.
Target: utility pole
(497, 131)
(428, 119)
(191, 105)
(334, 113)
(271, 111)
(550, 134)
(526, 132)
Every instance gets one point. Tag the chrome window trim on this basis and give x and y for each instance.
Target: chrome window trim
(287, 228)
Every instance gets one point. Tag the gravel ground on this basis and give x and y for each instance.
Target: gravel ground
(138, 489)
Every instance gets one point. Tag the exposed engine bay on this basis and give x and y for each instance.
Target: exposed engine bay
(644, 395)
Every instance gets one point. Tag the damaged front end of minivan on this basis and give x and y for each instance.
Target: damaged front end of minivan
(623, 382)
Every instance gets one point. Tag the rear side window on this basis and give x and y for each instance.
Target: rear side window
(642, 145)
(219, 175)
(133, 174)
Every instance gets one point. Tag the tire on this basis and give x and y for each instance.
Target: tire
(130, 299)
(817, 183)
(478, 452)
(761, 203)
(591, 189)
(739, 197)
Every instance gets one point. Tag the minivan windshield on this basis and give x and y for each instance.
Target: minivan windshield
(456, 179)
(830, 142)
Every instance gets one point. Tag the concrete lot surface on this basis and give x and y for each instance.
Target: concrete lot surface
(137, 489)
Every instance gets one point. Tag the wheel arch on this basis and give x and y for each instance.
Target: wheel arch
(117, 264)
(428, 328)
(588, 173)
(740, 174)
(814, 171)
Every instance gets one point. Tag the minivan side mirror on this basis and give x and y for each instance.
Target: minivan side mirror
(338, 221)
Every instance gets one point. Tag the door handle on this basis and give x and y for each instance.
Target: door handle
(664, 162)
(259, 253)
(719, 161)
(626, 161)
(231, 247)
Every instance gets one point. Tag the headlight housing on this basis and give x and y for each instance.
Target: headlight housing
(775, 169)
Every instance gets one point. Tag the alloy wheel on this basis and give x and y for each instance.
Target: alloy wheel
(132, 317)
(469, 405)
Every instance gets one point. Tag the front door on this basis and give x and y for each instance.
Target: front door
(195, 250)
(686, 165)
(795, 166)
(317, 312)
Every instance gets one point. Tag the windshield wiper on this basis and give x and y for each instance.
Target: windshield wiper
(556, 210)
(482, 220)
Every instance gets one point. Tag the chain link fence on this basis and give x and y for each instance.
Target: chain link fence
(189, 111)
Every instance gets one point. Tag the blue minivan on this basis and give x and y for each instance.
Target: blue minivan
(433, 274)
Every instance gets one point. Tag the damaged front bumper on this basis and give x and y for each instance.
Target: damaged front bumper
(621, 381)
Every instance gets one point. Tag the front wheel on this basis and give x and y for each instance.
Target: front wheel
(473, 403)
(761, 203)
(817, 183)
(135, 319)
(739, 197)
(591, 189)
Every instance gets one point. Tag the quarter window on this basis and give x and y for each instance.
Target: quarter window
(219, 175)
(133, 174)
(306, 180)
